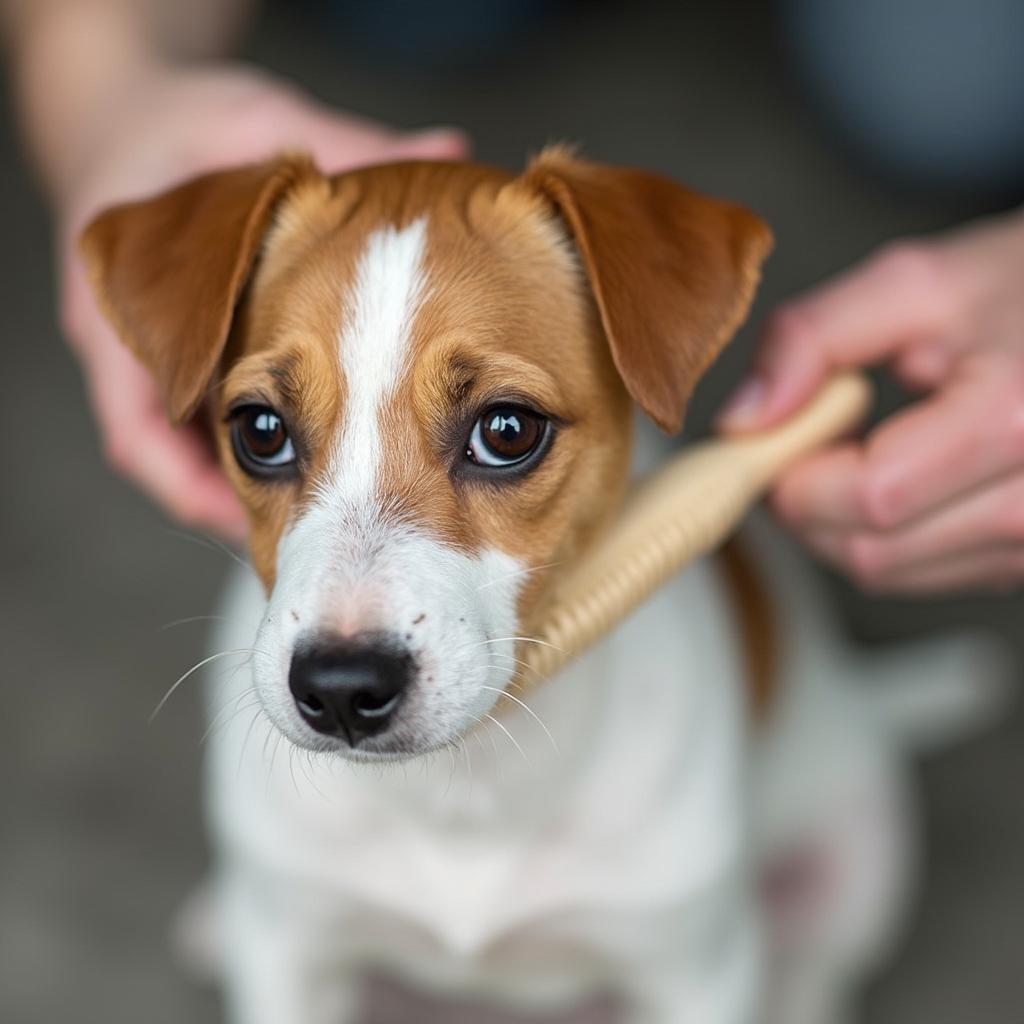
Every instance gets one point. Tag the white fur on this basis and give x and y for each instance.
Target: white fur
(352, 564)
(621, 852)
(626, 860)
(378, 312)
(527, 875)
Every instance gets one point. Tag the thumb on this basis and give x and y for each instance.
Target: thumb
(338, 143)
(430, 144)
(869, 315)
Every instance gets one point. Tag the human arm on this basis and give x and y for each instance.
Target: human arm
(119, 99)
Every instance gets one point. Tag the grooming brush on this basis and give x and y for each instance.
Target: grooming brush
(683, 510)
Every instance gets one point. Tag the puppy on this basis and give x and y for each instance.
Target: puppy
(421, 380)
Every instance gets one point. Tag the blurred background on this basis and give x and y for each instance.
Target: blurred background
(792, 108)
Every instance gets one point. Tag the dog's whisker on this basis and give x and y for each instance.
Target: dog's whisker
(232, 672)
(526, 707)
(529, 570)
(205, 540)
(193, 618)
(229, 705)
(512, 738)
(291, 769)
(527, 671)
(457, 753)
(195, 668)
(477, 735)
(475, 644)
(514, 683)
(508, 657)
(464, 751)
(524, 639)
(494, 749)
(304, 765)
(472, 731)
(273, 759)
(260, 713)
(223, 726)
(266, 741)
(524, 665)
(450, 747)
(309, 770)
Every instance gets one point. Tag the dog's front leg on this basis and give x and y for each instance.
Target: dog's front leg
(277, 970)
(712, 973)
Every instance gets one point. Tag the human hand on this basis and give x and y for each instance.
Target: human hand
(165, 126)
(933, 499)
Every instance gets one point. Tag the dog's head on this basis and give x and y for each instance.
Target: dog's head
(420, 378)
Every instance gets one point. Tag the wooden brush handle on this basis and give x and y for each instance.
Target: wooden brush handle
(684, 510)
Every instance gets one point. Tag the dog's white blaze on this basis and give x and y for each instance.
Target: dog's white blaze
(347, 565)
(379, 311)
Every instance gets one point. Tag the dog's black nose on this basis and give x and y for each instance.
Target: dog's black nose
(348, 689)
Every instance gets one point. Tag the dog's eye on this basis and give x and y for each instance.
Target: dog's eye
(505, 436)
(261, 442)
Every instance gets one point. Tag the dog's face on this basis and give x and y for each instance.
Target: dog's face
(420, 377)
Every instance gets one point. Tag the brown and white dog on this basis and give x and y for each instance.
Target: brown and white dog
(421, 379)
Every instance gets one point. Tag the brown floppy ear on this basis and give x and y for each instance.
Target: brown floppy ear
(673, 272)
(168, 271)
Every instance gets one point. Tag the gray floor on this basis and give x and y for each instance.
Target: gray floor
(100, 814)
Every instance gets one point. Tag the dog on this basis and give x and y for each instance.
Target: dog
(421, 379)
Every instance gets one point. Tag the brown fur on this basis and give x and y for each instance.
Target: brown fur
(169, 270)
(673, 272)
(757, 622)
(573, 286)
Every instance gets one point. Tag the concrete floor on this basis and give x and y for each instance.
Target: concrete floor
(101, 835)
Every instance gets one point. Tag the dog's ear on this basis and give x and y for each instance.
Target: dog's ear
(168, 271)
(673, 272)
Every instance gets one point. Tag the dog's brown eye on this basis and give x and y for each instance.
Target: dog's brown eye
(261, 442)
(505, 436)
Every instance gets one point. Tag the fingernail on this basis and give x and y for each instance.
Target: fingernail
(746, 402)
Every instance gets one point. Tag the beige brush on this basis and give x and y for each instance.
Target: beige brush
(684, 510)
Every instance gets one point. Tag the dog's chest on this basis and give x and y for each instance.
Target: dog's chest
(634, 796)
